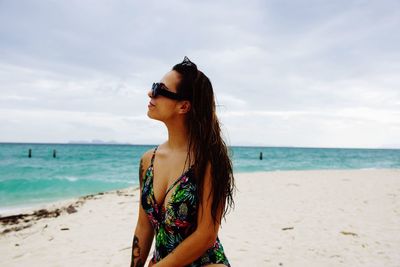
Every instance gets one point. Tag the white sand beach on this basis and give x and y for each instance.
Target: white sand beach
(284, 218)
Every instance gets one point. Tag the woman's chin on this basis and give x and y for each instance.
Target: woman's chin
(151, 115)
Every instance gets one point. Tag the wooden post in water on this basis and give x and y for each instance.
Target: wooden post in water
(30, 153)
(261, 156)
(54, 153)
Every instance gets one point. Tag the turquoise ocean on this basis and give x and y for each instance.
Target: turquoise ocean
(81, 169)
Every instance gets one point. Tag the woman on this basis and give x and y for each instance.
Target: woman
(187, 182)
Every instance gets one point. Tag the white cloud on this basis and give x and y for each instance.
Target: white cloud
(320, 128)
(298, 73)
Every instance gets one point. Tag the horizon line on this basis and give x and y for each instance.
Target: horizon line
(99, 142)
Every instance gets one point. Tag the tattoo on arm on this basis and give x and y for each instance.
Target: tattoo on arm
(136, 261)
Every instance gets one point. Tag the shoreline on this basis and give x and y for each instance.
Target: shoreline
(281, 218)
(24, 215)
(32, 207)
(20, 209)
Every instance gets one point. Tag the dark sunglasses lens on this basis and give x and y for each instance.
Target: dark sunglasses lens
(154, 89)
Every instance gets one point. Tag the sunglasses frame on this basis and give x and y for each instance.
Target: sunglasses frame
(160, 89)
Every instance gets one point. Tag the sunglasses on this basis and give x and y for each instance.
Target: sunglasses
(160, 89)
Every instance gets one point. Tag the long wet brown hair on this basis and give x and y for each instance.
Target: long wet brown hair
(205, 140)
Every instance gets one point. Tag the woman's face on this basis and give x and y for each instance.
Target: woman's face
(160, 107)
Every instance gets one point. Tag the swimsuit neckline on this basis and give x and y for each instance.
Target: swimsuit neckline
(176, 183)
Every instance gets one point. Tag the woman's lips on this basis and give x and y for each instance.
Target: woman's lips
(151, 105)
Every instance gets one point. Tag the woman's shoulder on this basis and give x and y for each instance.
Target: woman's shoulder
(146, 156)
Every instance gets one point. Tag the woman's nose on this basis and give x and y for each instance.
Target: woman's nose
(150, 93)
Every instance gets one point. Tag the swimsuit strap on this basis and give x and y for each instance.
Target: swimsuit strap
(177, 181)
(173, 184)
(154, 154)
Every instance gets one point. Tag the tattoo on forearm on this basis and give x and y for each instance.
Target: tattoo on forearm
(141, 173)
(136, 261)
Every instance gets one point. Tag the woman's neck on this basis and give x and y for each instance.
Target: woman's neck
(177, 136)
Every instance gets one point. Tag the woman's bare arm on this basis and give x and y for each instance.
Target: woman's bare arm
(204, 237)
(144, 232)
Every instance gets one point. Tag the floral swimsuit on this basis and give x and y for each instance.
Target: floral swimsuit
(177, 219)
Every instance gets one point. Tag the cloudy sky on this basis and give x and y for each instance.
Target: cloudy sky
(307, 73)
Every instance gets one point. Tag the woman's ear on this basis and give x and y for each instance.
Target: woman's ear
(184, 107)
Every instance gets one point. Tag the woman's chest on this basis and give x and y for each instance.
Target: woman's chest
(180, 211)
